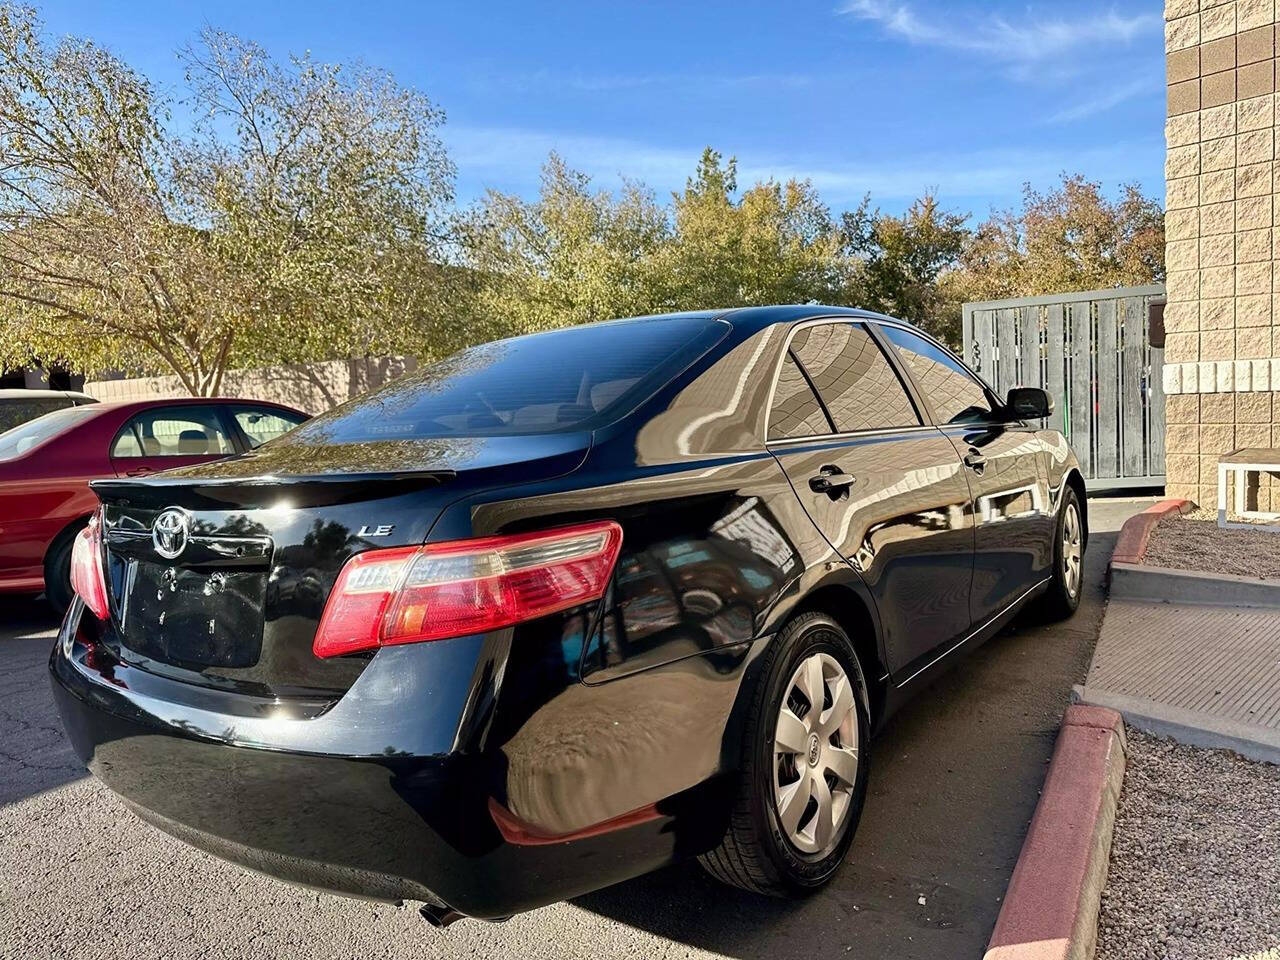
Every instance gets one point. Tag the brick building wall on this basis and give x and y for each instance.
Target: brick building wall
(1222, 351)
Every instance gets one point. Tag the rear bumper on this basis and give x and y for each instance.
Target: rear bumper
(347, 800)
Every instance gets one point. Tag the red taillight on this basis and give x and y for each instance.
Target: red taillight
(439, 590)
(87, 576)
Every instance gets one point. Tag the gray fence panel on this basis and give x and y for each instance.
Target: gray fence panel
(1107, 422)
(1090, 350)
(1055, 359)
(1133, 427)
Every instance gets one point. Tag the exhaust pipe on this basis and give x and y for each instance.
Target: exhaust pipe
(438, 915)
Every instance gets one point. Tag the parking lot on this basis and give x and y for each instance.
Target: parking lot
(954, 782)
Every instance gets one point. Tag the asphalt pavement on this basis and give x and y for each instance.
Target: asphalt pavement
(954, 781)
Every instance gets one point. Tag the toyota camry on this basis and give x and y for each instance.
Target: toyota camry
(565, 608)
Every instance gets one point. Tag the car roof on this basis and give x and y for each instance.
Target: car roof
(756, 318)
(137, 405)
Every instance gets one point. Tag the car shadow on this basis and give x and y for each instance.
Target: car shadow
(956, 779)
(37, 756)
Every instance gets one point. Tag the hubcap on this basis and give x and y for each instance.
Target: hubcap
(1071, 552)
(815, 753)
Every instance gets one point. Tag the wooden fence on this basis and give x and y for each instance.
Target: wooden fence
(1092, 352)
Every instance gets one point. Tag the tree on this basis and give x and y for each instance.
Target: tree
(904, 263)
(1070, 238)
(304, 217)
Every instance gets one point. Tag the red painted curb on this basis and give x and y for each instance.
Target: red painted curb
(1050, 910)
(1131, 544)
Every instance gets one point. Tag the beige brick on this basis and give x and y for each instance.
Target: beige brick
(1218, 313)
(1185, 161)
(1253, 180)
(1182, 32)
(1253, 342)
(1184, 224)
(1217, 282)
(1182, 473)
(1219, 21)
(1217, 55)
(1218, 122)
(1256, 146)
(1217, 186)
(1182, 408)
(1217, 89)
(1275, 435)
(1255, 80)
(1253, 213)
(1255, 44)
(1253, 408)
(1184, 285)
(1182, 316)
(1185, 254)
(1182, 438)
(1183, 98)
(1182, 65)
(1184, 192)
(1181, 347)
(1215, 438)
(1218, 250)
(1252, 435)
(1180, 8)
(1253, 278)
(1217, 345)
(1217, 218)
(1256, 113)
(1217, 408)
(1215, 155)
(1253, 310)
(1254, 13)
(1253, 245)
(1185, 129)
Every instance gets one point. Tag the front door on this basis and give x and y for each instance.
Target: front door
(1013, 513)
(888, 492)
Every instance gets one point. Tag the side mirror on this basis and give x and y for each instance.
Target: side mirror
(1029, 403)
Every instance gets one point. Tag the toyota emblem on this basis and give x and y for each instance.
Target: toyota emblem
(170, 531)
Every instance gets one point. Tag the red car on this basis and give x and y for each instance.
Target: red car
(46, 465)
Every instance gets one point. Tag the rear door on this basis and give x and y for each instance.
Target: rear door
(163, 437)
(886, 490)
(1011, 504)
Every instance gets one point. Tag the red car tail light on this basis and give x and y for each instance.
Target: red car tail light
(88, 579)
(439, 590)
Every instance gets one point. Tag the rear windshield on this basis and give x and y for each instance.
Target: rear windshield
(26, 436)
(573, 379)
(16, 410)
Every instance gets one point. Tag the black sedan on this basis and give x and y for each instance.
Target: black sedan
(563, 609)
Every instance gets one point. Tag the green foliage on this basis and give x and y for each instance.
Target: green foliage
(304, 218)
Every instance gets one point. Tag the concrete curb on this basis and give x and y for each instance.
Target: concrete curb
(1050, 910)
(1134, 581)
(1131, 544)
(1187, 726)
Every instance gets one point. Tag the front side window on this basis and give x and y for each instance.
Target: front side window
(261, 424)
(796, 411)
(853, 377)
(173, 432)
(953, 392)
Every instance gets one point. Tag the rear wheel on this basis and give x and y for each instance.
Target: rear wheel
(804, 765)
(1065, 586)
(57, 568)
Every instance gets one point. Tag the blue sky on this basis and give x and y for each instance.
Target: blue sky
(882, 96)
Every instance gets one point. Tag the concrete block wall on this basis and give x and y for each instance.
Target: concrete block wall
(312, 388)
(1222, 222)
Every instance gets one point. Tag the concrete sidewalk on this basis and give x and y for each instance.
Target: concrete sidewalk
(1202, 674)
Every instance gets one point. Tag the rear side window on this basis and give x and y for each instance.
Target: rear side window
(853, 377)
(953, 392)
(261, 424)
(573, 379)
(173, 432)
(795, 411)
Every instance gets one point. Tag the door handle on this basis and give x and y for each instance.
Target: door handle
(831, 480)
(974, 460)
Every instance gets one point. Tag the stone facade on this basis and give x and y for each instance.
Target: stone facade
(1222, 348)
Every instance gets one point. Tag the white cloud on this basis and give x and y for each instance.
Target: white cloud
(1107, 100)
(1029, 40)
(508, 159)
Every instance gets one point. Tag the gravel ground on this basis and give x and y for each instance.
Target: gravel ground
(1190, 543)
(1195, 870)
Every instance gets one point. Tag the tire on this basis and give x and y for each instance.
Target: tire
(1062, 599)
(57, 569)
(758, 852)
